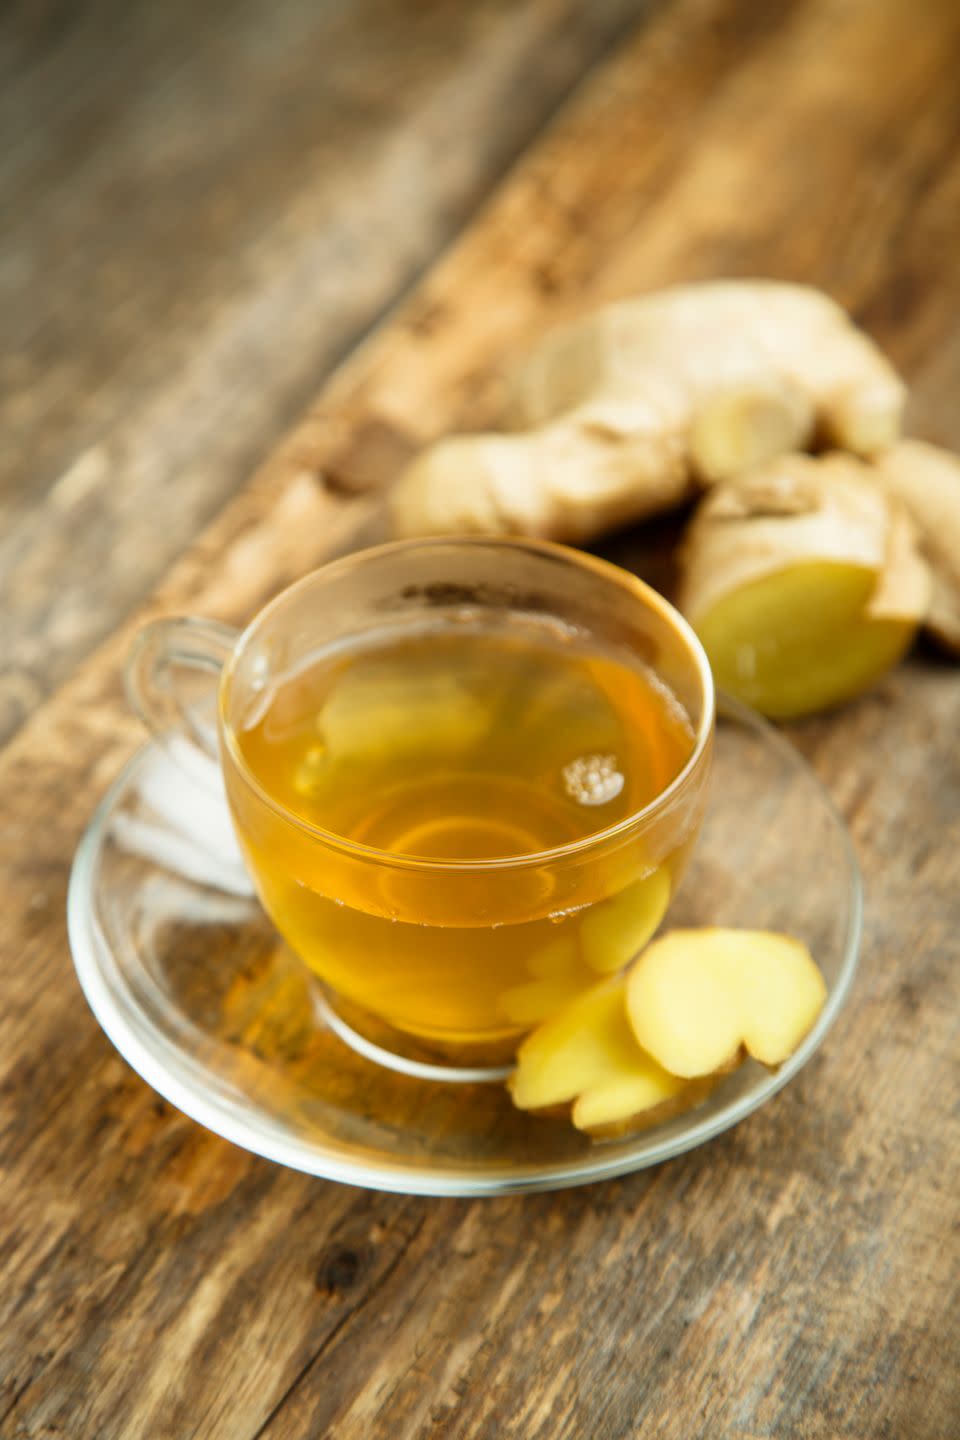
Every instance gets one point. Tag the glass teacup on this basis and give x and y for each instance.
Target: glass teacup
(449, 871)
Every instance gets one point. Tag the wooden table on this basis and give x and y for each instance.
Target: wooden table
(208, 210)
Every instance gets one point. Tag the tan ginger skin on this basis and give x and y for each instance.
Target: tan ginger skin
(926, 481)
(647, 403)
(634, 409)
(803, 508)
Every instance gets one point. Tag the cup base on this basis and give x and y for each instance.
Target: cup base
(380, 1043)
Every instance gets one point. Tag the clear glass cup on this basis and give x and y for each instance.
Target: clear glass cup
(385, 931)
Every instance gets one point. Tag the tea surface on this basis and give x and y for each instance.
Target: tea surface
(459, 744)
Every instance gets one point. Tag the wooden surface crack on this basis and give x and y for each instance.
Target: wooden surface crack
(346, 1318)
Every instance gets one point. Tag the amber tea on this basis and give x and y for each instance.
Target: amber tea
(428, 757)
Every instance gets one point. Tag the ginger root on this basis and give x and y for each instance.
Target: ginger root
(632, 410)
(803, 582)
(637, 1101)
(586, 1053)
(754, 365)
(558, 976)
(611, 934)
(615, 930)
(636, 1050)
(805, 578)
(604, 466)
(926, 481)
(696, 998)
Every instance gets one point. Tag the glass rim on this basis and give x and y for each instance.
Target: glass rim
(603, 569)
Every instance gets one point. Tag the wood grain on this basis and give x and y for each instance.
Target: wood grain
(202, 212)
(797, 1277)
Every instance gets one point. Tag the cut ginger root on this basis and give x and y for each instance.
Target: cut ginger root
(586, 1054)
(632, 410)
(611, 934)
(617, 929)
(806, 577)
(697, 998)
(636, 1101)
(636, 1050)
(803, 581)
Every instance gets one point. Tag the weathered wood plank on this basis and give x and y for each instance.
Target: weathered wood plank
(796, 1278)
(202, 211)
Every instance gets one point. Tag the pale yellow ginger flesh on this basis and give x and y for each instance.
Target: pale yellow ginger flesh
(617, 929)
(586, 1053)
(926, 481)
(803, 581)
(633, 1051)
(376, 709)
(696, 998)
(611, 934)
(636, 1101)
(631, 410)
(558, 975)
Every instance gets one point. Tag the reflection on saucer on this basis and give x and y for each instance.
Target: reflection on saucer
(182, 822)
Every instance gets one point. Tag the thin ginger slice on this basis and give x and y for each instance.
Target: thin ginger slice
(695, 997)
(585, 1047)
(616, 930)
(612, 932)
(557, 976)
(636, 1102)
(380, 707)
(558, 958)
(537, 1000)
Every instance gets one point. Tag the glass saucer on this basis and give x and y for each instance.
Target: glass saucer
(188, 979)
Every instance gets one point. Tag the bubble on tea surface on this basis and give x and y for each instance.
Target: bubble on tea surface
(593, 779)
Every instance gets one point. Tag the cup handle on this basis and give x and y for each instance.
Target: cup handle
(172, 677)
(172, 681)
